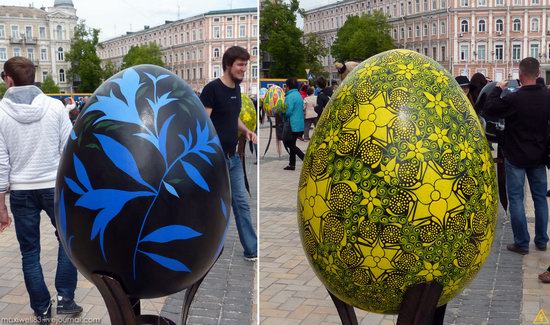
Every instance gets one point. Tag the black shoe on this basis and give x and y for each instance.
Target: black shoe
(516, 249)
(67, 307)
(44, 318)
(541, 247)
(289, 168)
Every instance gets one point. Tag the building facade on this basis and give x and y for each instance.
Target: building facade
(465, 36)
(193, 47)
(42, 35)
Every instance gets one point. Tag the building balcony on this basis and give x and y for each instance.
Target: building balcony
(16, 40)
(30, 40)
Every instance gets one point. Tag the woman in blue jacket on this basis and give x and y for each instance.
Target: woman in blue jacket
(295, 114)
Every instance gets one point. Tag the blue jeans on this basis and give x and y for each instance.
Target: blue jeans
(25, 207)
(515, 182)
(241, 208)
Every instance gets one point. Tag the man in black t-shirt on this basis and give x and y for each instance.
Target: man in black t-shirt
(222, 100)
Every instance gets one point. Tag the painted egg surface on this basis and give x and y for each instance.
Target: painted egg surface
(398, 185)
(142, 191)
(248, 112)
(274, 100)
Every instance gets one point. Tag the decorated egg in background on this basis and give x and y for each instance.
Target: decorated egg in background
(248, 112)
(263, 91)
(274, 100)
(142, 191)
(398, 185)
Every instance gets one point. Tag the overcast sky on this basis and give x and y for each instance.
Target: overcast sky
(116, 17)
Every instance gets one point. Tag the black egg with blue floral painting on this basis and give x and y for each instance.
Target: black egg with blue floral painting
(142, 191)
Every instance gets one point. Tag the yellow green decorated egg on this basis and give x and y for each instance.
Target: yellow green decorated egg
(248, 112)
(274, 100)
(398, 185)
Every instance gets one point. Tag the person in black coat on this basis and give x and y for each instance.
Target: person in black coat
(324, 95)
(527, 112)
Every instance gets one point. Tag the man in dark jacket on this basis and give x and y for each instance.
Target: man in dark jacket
(527, 112)
(324, 95)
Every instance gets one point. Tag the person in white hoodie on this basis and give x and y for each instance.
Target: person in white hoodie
(33, 131)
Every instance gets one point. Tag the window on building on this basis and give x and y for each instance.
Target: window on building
(426, 5)
(30, 54)
(443, 28)
(216, 71)
(254, 30)
(60, 55)
(255, 51)
(402, 33)
(194, 73)
(499, 2)
(434, 53)
(499, 52)
(42, 32)
(534, 24)
(402, 9)
(61, 75)
(516, 52)
(516, 25)
(535, 2)
(417, 5)
(426, 51)
(425, 30)
(443, 3)
(28, 31)
(200, 73)
(43, 54)
(417, 30)
(242, 31)
(434, 4)
(443, 53)
(499, 25)
(229, 32)
(410, 34)
(434, 29)
(216, 53)
(464, 26)
(215, 32)
(409, 8)
(14, 31)
(464, 49)
(534, 50)
(464, 3)
(59, 32)
(2, 31)
(481, 26)
(254, 68)
(16, 51)
(517, 2)
(44, 75)
(482, 3)
(481, 52)
(3, 54)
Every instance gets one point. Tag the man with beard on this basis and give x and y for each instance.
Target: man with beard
(222, 100)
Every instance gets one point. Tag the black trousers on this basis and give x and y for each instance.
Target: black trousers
(293, 149)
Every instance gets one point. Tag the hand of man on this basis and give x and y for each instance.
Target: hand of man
(5, 220)
(251, 136)
(502, 84)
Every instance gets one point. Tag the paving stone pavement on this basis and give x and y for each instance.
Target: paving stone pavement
(228, 294)
(505, 291)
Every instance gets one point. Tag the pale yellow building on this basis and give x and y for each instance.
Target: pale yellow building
(465, 36)
(193, 47)
(42, 35)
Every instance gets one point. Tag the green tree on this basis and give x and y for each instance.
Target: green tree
(145, 54)
(362, 37)
(109, 70)
(49, 86)
(85, 64)
(314, 48)
(2, 89)
(281, 38)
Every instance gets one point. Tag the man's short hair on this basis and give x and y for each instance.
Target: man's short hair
(530, 67)
(21, 70)
(321, 82)
(233, 53)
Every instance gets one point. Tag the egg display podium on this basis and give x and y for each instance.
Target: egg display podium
(142, 194)
(397, 198)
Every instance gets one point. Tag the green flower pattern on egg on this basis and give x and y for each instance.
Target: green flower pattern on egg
(398, 185)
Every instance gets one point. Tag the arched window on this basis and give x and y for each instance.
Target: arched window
(255, 51)
(60, 55)
(59, 32)
(425, 30)
(481, 25)
(464, 26)
(516, 27)
(534, 24)
(61, 75)
(499, 25)
(216, 52)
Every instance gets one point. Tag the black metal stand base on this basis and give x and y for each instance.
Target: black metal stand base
(419, 306)
(124, 310)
